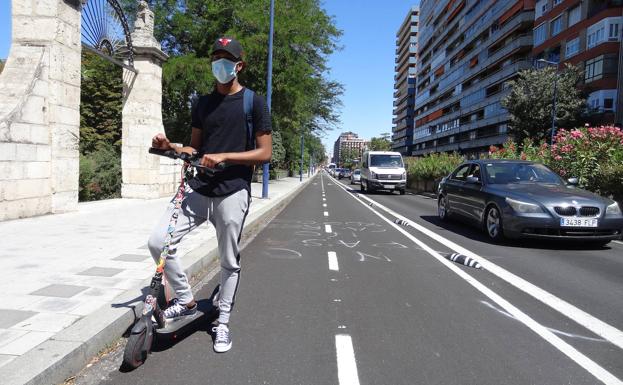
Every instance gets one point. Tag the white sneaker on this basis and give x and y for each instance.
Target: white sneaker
(222, 339)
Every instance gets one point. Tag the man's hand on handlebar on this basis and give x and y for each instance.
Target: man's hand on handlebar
(212, 160)
(161, 142)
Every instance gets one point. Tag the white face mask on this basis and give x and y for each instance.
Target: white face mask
(224, 70)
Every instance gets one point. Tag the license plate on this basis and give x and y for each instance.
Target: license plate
(389, 186)
(578, 222)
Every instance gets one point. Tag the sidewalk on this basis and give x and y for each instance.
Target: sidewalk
(71, 281)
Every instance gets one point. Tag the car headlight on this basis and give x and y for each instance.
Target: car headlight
(404, 175)
(613, 209)
(524, 207)
(372, 175)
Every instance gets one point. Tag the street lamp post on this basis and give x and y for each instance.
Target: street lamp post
(269, 90)
(301, 168)
(551, 142)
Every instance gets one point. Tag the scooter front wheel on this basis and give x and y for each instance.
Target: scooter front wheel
(138, 347)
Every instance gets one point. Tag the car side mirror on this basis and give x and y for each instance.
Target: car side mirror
(573, 181)
(472, 179)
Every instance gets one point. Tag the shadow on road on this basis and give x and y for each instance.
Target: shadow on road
(470, 230)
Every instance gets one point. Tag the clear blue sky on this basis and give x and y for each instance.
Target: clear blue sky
(365, 65)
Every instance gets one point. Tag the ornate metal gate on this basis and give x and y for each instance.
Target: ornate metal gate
(105, 32)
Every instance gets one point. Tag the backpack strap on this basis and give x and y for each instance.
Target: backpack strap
(247, 101)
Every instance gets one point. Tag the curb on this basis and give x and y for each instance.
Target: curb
(70, 350)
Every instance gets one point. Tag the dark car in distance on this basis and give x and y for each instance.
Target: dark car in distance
(522, 199)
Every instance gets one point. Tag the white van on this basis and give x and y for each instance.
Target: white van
(383, 170)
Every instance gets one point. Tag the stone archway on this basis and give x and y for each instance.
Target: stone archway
(40, 111)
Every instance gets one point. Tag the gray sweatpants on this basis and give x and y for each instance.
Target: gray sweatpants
(227, 214)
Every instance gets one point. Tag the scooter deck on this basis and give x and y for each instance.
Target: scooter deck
(172, 326)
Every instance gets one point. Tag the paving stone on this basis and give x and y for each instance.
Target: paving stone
(132, 257)
(6, 358)
(23, 344)
(64, 291)
(101, 271)
(9, 335)
(10, 317)
(46, 322)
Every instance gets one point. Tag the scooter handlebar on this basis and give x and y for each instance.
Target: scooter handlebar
(192, 159)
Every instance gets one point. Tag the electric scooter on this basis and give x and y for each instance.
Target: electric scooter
(152, 319)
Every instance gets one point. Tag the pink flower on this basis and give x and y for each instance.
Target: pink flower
(558, 157)
(577, 134)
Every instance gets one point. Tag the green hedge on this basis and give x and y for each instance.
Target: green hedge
(431, 167)
(100, 174)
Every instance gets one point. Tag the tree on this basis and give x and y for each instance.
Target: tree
(381, 143)
(349, 157)
(531, 97)
(305, 36)
(100, 103)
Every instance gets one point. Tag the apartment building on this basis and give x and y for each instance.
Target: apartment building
(586, 33)
(348, 140)
(468, 51)
(404, 82)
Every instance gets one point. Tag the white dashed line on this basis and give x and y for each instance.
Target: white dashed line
(327, 229)
(326, 213)
(324, 205)
(333, 261)
(595, 325)
(346, 364)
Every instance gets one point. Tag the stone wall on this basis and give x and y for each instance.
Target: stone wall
(39, 110)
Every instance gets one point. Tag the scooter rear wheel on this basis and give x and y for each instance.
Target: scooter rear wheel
(137, 349)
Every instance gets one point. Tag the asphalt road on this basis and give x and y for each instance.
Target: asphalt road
(340, 294)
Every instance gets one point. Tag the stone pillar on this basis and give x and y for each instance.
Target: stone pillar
(142, 111)
(39, 110)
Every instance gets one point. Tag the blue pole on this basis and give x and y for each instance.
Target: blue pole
(301, 168)
(269, 90)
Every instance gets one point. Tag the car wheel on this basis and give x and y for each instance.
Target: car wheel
(493, 224)
(402, 192)
(442, 208)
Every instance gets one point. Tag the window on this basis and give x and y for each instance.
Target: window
(539, 34)
(461, 173)
(556, 2)
(574, 16)
(593, 69)
(556, 26)
(540, 8)
(606, 29)
(613, 33)
(573, 47)
(608, 103)
(600, 67)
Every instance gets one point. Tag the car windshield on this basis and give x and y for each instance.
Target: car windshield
(504, 173)
(385, 160)
(356, 172)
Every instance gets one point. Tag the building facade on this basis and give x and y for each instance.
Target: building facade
(586, 33)
(348, 141)
(468, 52)
(404, 82)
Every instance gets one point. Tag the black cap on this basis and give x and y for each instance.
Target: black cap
(229, 45)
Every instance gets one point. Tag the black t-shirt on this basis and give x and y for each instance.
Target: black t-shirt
(222, 121)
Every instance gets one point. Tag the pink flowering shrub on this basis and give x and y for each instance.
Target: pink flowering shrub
(594, 155)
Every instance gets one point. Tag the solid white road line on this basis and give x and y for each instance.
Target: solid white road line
(590, 322)
(326, 214)
(346, 364)
(619, 242)
(585, 362)
(327, 229)
(594, 324)
(333, 265)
